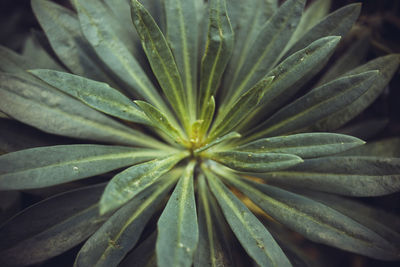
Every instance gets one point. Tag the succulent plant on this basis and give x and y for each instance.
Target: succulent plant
(216, 112)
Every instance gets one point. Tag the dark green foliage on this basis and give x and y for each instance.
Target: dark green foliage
(213, 109)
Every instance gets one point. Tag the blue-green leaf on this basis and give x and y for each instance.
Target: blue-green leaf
(387, 67)
(211, 251)
(267, 47)
(177, 227)
(50, 227)
(43, 107)
(218, 140)
(182, 34)
(47, 166)
(161, 60)
(232, 115)
(101, 35)
(336, 23)
(352, 176)
(316, 221)
(127, 184)
(64, 33)
(307, 145)
(254, 162)
(253, 236)
(98, 95)
(217, 53)
(160, 121)
(319, 103)
(247, 21)
(119, 234)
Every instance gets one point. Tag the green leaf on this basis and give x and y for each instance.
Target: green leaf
(388, 147)
(98, 95)
(209, 111)
(230, 117)
(119, 234)
(50, 227)
(14, 63)
(387, 67)
(54, 112)
(218, 51)
(47, 166)
(211, 250)
(161, 60)
(34, 50)
(291, 75)
(114, 52)
(348, 60)
(253, 236)
(254, 162)
(352, 176)
(307, 145)
(64, 34)
(160, 121)
(311, 16)
(267, 47)
(218, 140)
(182, 34)
(319, 103)
(381, 222)
(247, 21)
(127, 184)
(177, 227)
(336, 23)
(316, 221)
(143, 254)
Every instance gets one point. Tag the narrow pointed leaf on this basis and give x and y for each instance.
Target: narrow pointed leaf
(119, 234)
(384, 223)
(307, 145)
(328, 226)
(211, 250)
(388, 147)
(255, 162)
(63, 31)
(269, 43)
(98, 95)
(54, 112)
(143, 254)
(208, 115)
(350, 59)
(217, 54)
(247, 22)
(234, 114)
(319, 103)
(47, 166)
(50, 227)
(182, 34)
(159, 120)
(34, 50)
(177, 227)
(352, 176)
(387, 67)
(291, 75)
(253, 236)
(336, 23)
(296, 70)
(114, 52)
(161, 59)
(127, 184)
(219, 140)
(311, 16)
